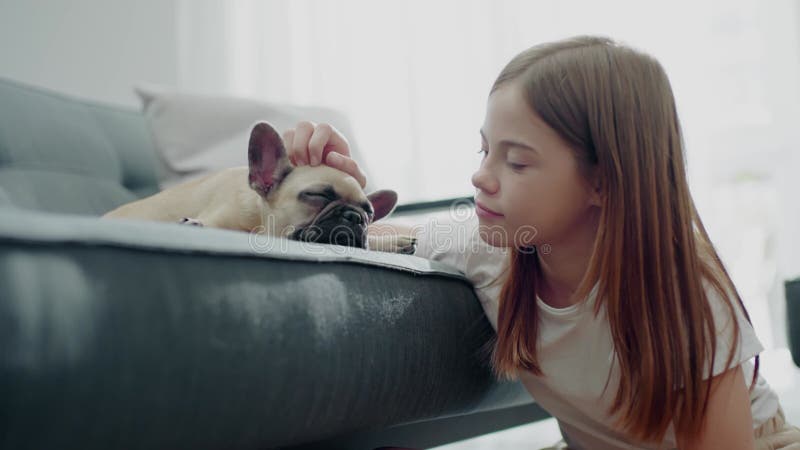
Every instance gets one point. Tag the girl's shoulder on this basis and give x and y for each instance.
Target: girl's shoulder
(732, 328)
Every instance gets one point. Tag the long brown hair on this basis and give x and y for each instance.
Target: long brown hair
(615, 107)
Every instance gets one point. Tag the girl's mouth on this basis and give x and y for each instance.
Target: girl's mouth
(483, 211)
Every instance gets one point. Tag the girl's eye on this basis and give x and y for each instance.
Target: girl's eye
(483, 152)
(517, 166)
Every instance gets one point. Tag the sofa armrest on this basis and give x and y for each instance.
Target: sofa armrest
(125, 334)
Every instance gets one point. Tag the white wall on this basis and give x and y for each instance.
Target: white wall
(94, 49)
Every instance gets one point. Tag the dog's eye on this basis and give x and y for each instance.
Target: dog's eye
(315, 197)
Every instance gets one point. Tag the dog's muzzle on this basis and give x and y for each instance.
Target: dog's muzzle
(338, 223)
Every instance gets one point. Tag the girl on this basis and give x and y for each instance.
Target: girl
(615, 310)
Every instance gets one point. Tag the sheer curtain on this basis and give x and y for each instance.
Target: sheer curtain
(413, 77)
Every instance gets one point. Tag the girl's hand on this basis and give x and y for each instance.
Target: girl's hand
(309, 144)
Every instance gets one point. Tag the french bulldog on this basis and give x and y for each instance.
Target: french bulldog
(306, 203)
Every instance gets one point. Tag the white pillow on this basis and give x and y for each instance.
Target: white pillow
(199, 134)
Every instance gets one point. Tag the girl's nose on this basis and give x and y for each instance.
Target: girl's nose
(483, 180)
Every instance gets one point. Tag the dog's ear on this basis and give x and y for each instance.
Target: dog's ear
(266, 154)
(383, 202)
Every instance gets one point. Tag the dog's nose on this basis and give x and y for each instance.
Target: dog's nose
(353, 217)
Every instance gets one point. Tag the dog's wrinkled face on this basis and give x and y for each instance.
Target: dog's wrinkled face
(314, 204)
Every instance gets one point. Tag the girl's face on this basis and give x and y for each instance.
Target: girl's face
(528, 188)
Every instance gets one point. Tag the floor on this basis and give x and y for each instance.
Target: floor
(776, 367)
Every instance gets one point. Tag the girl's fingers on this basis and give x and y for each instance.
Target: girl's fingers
(313, 144)
(299, 148)
(326, 139)
(337, 142)
(347, 165)
(288, 139)
(318, 143)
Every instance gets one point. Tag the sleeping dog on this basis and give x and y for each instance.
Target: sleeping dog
(306, 203)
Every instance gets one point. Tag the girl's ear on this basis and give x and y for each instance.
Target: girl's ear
(596, 196)
(595, 189)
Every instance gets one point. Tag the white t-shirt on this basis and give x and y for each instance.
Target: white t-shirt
(576, 349)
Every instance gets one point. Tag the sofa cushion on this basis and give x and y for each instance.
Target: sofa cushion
(5, 200)
(60, 154)
(198, 134)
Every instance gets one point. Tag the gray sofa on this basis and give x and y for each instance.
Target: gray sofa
(134, 335)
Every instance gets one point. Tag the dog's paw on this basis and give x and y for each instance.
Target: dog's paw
(393, 243)
(190, 221)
